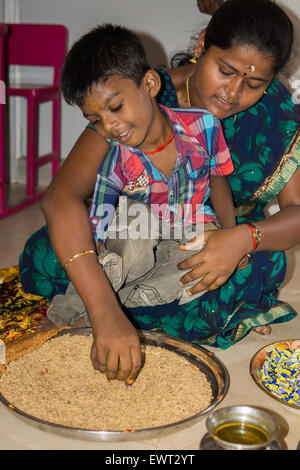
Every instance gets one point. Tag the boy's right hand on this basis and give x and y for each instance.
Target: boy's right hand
(116, 349)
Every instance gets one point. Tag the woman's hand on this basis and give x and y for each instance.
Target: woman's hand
(209, 6)
(223, 251)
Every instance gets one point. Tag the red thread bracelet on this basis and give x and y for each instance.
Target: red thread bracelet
(256, 235)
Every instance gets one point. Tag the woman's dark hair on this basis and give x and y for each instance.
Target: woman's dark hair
(258, 23)
(106, 50)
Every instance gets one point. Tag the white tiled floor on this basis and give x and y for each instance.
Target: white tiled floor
(16, 434)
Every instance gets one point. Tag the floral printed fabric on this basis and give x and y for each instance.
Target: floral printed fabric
(40, 270)
(20, 313)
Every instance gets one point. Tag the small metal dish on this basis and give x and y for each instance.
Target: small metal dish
(204, 360)
(243, 415)
(257, 362)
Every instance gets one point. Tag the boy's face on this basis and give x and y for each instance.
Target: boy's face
(120, 111)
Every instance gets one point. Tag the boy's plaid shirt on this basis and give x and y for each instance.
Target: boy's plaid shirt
(201, 150)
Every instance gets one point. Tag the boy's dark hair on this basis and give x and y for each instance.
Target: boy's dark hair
(258, 23)
(106, 50)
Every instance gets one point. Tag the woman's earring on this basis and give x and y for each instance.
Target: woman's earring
(194, 60)
(265, 92)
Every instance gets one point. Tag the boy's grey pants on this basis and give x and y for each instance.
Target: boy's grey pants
(143, 272)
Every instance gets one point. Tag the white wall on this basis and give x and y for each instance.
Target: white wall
(165, 26)
(292, 8)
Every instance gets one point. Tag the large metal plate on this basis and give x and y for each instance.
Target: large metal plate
(206, 361)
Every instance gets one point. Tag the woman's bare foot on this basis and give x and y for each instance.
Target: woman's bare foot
(81, 323)
(46, 324)
(262, 330)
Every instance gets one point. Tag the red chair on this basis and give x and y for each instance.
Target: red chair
(35, 45)
(3, 32)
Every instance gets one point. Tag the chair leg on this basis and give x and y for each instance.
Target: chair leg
(56, 131)
(31, 147)
(2, 160)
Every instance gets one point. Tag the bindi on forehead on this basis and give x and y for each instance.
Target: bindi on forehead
(100, 97)
(250, 69)
(248, 60)
(94, 106)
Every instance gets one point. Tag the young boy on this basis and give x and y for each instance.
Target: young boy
(168, 161)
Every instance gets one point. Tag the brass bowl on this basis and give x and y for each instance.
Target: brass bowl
(243, 415)
(206, 362)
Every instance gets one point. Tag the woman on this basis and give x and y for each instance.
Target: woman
(235, 61)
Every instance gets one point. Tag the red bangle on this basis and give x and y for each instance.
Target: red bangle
(256, 236)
